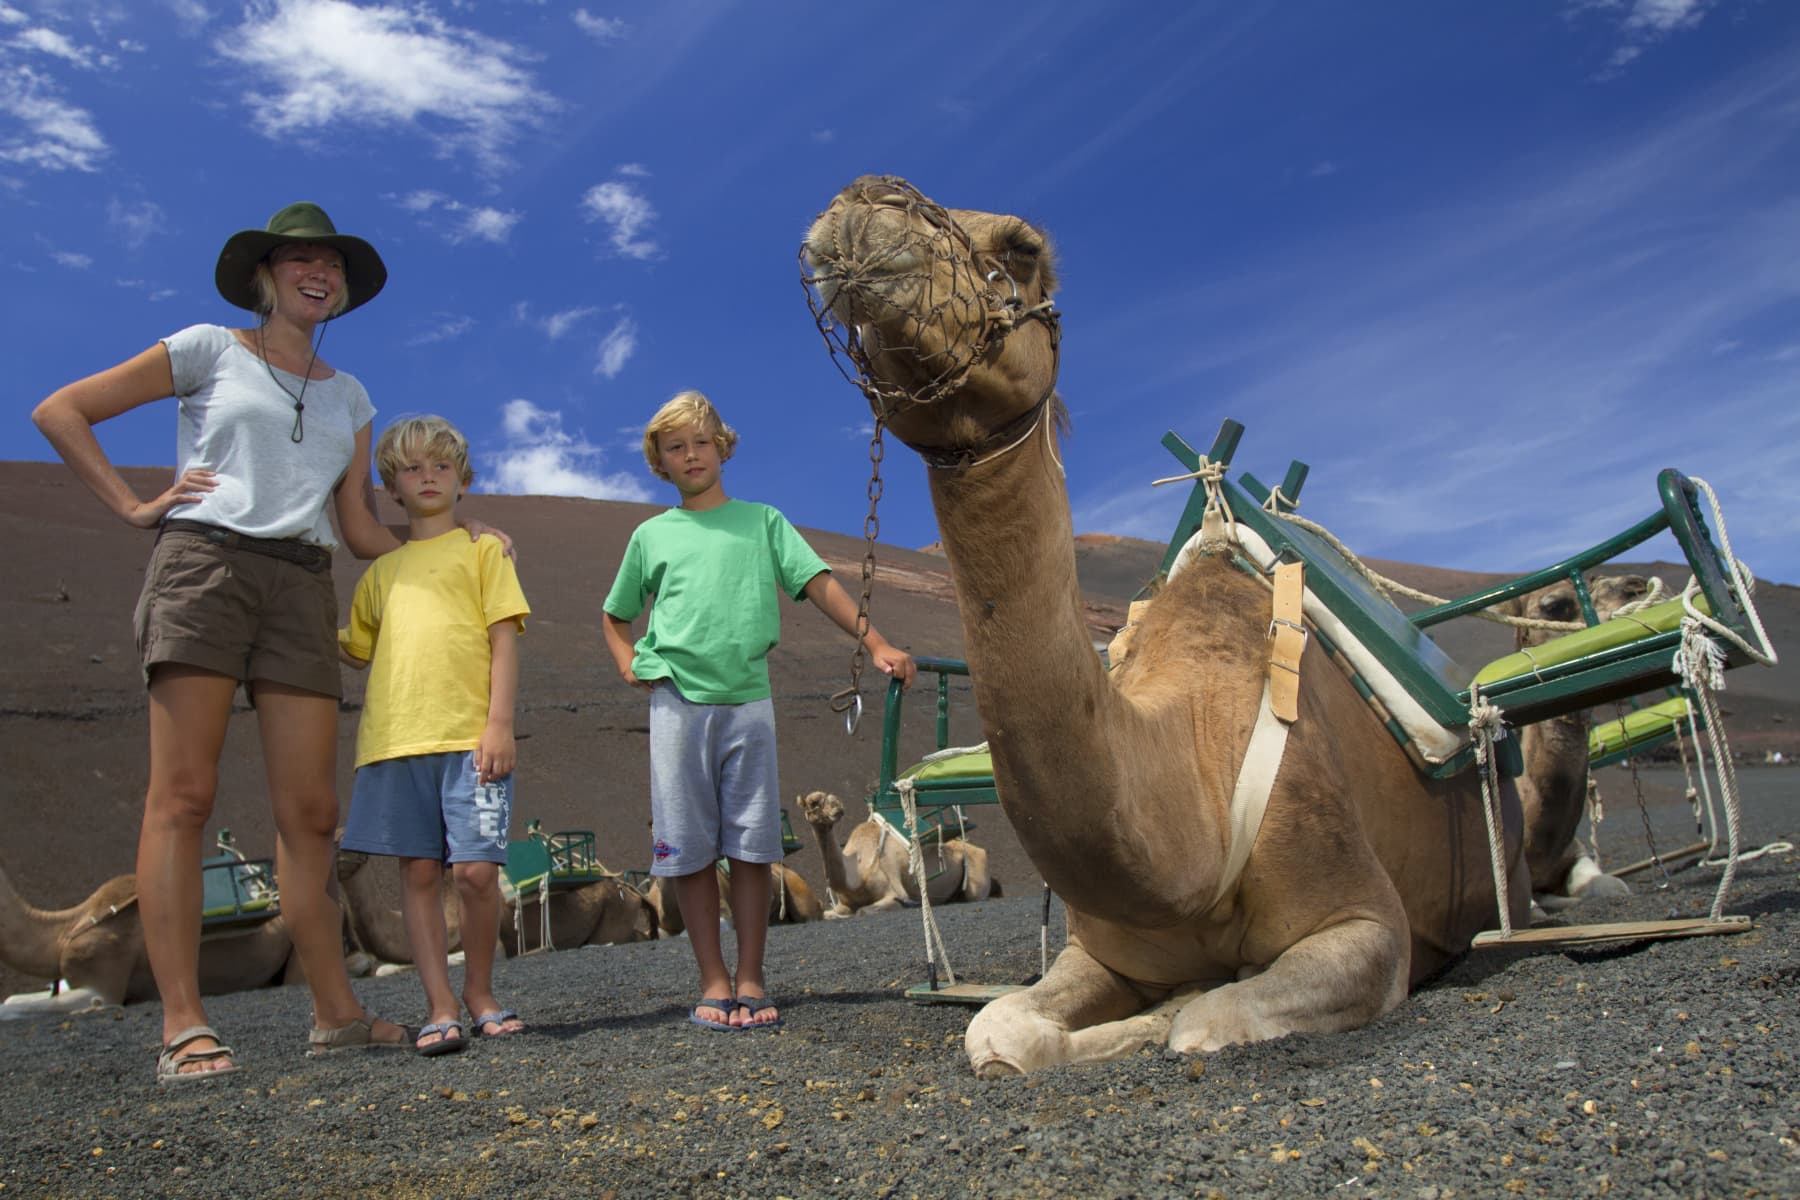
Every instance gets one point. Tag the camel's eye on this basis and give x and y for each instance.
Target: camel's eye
(1560, 607)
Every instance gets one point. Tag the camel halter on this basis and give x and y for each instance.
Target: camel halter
(932, 239)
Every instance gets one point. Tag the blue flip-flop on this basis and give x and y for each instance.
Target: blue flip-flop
(724, 1004)
(498, 1018)
(756, 1004)
(448, 1042)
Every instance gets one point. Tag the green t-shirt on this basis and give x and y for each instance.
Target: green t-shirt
(715, 575)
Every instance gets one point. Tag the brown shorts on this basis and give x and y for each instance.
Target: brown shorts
(239, 613)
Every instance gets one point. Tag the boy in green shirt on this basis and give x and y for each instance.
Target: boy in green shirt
(715, 566)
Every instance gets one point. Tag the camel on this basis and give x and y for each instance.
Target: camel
(791, 902)
(96, 948)
(871, 869)
(602, 913)
(372, 921)
(1553, 790)
(607, 913)
(1366, 877)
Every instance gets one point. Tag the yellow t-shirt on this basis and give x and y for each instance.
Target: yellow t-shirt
(420, 618)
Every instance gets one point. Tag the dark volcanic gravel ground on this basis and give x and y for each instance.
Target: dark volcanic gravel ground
(1655, 1069)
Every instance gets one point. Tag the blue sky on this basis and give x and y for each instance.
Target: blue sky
(1486, 267)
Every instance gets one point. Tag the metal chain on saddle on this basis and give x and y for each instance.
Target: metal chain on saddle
(1637, 787)
(849, 701)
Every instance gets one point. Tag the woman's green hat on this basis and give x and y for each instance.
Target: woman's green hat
(364, 272)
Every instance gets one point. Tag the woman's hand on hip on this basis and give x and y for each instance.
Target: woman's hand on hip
(191, 488)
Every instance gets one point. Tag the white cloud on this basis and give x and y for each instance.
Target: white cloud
(540, 458)
(56, 136)
(449, 328)
(12, 16)
(557, 324)
(54, 44)
(134, 223)
(75, 262)
(1645, 23)
(635, 170)
(322, 64)
(488, 224)
(626, 213)
(601, 29)
(616, 348)
(471, 223)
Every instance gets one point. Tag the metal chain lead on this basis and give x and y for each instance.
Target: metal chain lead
(1637, 787)
(849, 701)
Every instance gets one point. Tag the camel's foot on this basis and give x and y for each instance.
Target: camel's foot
(1219, 1018)
(67, 1000)
(1586, 879)
(359, 964)
(1009, 1037)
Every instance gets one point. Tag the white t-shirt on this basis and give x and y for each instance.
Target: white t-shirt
(238, 422)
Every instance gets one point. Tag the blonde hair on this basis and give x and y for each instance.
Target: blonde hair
(421, 437)
(687, 408)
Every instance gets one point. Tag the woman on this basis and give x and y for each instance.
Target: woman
(239, 589)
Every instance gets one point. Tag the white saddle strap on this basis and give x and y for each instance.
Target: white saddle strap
(1250, 798)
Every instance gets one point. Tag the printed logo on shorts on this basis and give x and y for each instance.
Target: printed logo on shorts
(492, 812)
(663, 850)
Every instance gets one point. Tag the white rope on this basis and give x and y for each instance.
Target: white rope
(1701, 664)
(1596, 813)
(933, 936)
(1485, 728)
(1218, 524)
(1742, 580)
(1385, 585)
(544, 912)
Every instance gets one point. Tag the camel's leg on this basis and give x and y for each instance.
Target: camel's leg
(299, 737)
(189, 711)
(1028, 1030)
(422, 910)
(1340, 978)
(975, 879)
(478, 895)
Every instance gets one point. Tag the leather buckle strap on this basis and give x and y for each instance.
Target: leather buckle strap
(305, 554)
(1287, 640)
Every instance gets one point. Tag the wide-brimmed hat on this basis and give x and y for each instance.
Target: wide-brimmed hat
(364, 272)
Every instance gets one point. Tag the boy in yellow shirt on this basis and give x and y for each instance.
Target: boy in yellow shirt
(438, 621)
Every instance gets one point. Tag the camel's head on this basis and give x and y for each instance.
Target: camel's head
(944, 314)
(1558, 602)
(820, 808)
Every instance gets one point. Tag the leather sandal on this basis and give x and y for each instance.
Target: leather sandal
(175, 1056)
(357, 1035)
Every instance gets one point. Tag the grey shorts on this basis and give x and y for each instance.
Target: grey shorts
(714, 789)
(429, 806)
(238, 613)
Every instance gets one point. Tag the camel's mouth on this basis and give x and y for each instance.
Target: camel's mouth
(892, 284)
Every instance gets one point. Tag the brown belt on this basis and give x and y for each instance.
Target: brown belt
(313, 558)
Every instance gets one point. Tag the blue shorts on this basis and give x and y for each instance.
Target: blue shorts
(714, 789)
(429, 806)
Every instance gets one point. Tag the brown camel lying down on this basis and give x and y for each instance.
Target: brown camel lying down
(872, 871)
(1366, 876)
(97, 947)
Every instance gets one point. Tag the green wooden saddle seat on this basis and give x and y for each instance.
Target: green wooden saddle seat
(237, 891)
(550, 862)
(1636, 732)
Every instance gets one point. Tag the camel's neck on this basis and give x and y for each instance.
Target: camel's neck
(28, 936)
(837, 877)
(1051, 718)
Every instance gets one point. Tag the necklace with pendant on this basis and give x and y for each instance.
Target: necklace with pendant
(298, 433)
